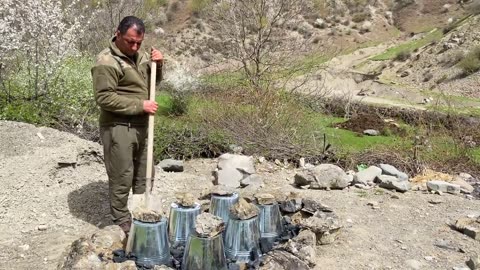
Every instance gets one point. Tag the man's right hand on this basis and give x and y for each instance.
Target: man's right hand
(149, 106)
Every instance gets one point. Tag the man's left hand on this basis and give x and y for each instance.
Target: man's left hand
(156, 56)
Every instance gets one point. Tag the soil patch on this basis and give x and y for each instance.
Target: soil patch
(361, 122)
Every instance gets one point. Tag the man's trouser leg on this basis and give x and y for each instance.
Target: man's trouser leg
(140, 162)
(120, 147)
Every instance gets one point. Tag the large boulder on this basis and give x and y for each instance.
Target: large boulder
(323, 176)
(392, 182)
(232, 169)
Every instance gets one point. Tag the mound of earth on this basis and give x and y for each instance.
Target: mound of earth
(362, 122)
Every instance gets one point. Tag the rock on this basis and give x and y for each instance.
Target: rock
(244, 210)
(392, 182)
(222, 190)
(390, 170)
(236, 149)
(252, 180)
(146, 215)
(464, 186)
(443, 186)
(367, 176)
(468, 226)
(232, 169)
(162, 267)
(292, 203)
(42, 227)
(366, 27)
(302, 246)
(108, 239)
(265, 199)
(282, 260)
(313, 206)
(127, 265)
(80, 255)
(323, 176)
(474, 262)
(326, 228)
(301, 162)
(171, 165)
(185, 199)
(229, 177)
(371, 132)
(159, 31)
(208, 225)
(244, 163)
(320, 23)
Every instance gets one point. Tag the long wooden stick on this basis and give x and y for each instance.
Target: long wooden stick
(150, 137)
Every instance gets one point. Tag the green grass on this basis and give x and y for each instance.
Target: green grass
(434, 35)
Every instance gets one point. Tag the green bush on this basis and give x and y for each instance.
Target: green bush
(197, 6)
(360, 17)
(402, 55)
(471, 62)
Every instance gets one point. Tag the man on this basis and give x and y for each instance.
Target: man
(121, 83)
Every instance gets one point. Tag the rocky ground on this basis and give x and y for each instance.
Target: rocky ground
(55, 190)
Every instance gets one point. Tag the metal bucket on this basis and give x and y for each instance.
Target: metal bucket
(270, 222)
(204, 253)
(220, 205)
(242, 239)
(182, 223)
(148, 242)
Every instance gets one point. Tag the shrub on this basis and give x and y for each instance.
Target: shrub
(360, 17)
(197, 6)
(471, 62)
(402, 55)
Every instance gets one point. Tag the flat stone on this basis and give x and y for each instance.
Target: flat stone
(222, 190)
(292, 203)
(371, 132)
(474, 262)
(312, 206)
(282, 260)
(323, 176)
(265, 199)
(229, 177)
(146, 215)
(171, 165)
(367, 176)
(414, 264)
(244, 210)
(392, 182)
(208, 225)
(443, 186)
(468, 226)
(326, 229)
(464, 186)
(391, 170)
(185, 199)
(252, 180)
(242, 162)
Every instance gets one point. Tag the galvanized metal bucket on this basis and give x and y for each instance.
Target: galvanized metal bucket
(242, 239)
(181, 223)
(149, 243)
(220, 205)
(204, 253)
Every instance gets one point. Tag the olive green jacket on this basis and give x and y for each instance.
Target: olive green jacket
(121, 86)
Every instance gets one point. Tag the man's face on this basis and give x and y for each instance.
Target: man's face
(130, 42)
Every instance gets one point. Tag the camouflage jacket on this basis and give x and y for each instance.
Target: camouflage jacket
(121, 86)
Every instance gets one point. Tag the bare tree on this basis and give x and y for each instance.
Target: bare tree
(258, 36)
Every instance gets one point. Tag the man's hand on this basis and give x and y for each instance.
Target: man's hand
(149, 106)
(156, 56)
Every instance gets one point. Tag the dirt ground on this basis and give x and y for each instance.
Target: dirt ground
(45, 206)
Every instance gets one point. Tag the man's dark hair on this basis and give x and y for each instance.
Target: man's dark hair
(131, 21)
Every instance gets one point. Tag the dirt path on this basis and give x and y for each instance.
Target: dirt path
(45, 206)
